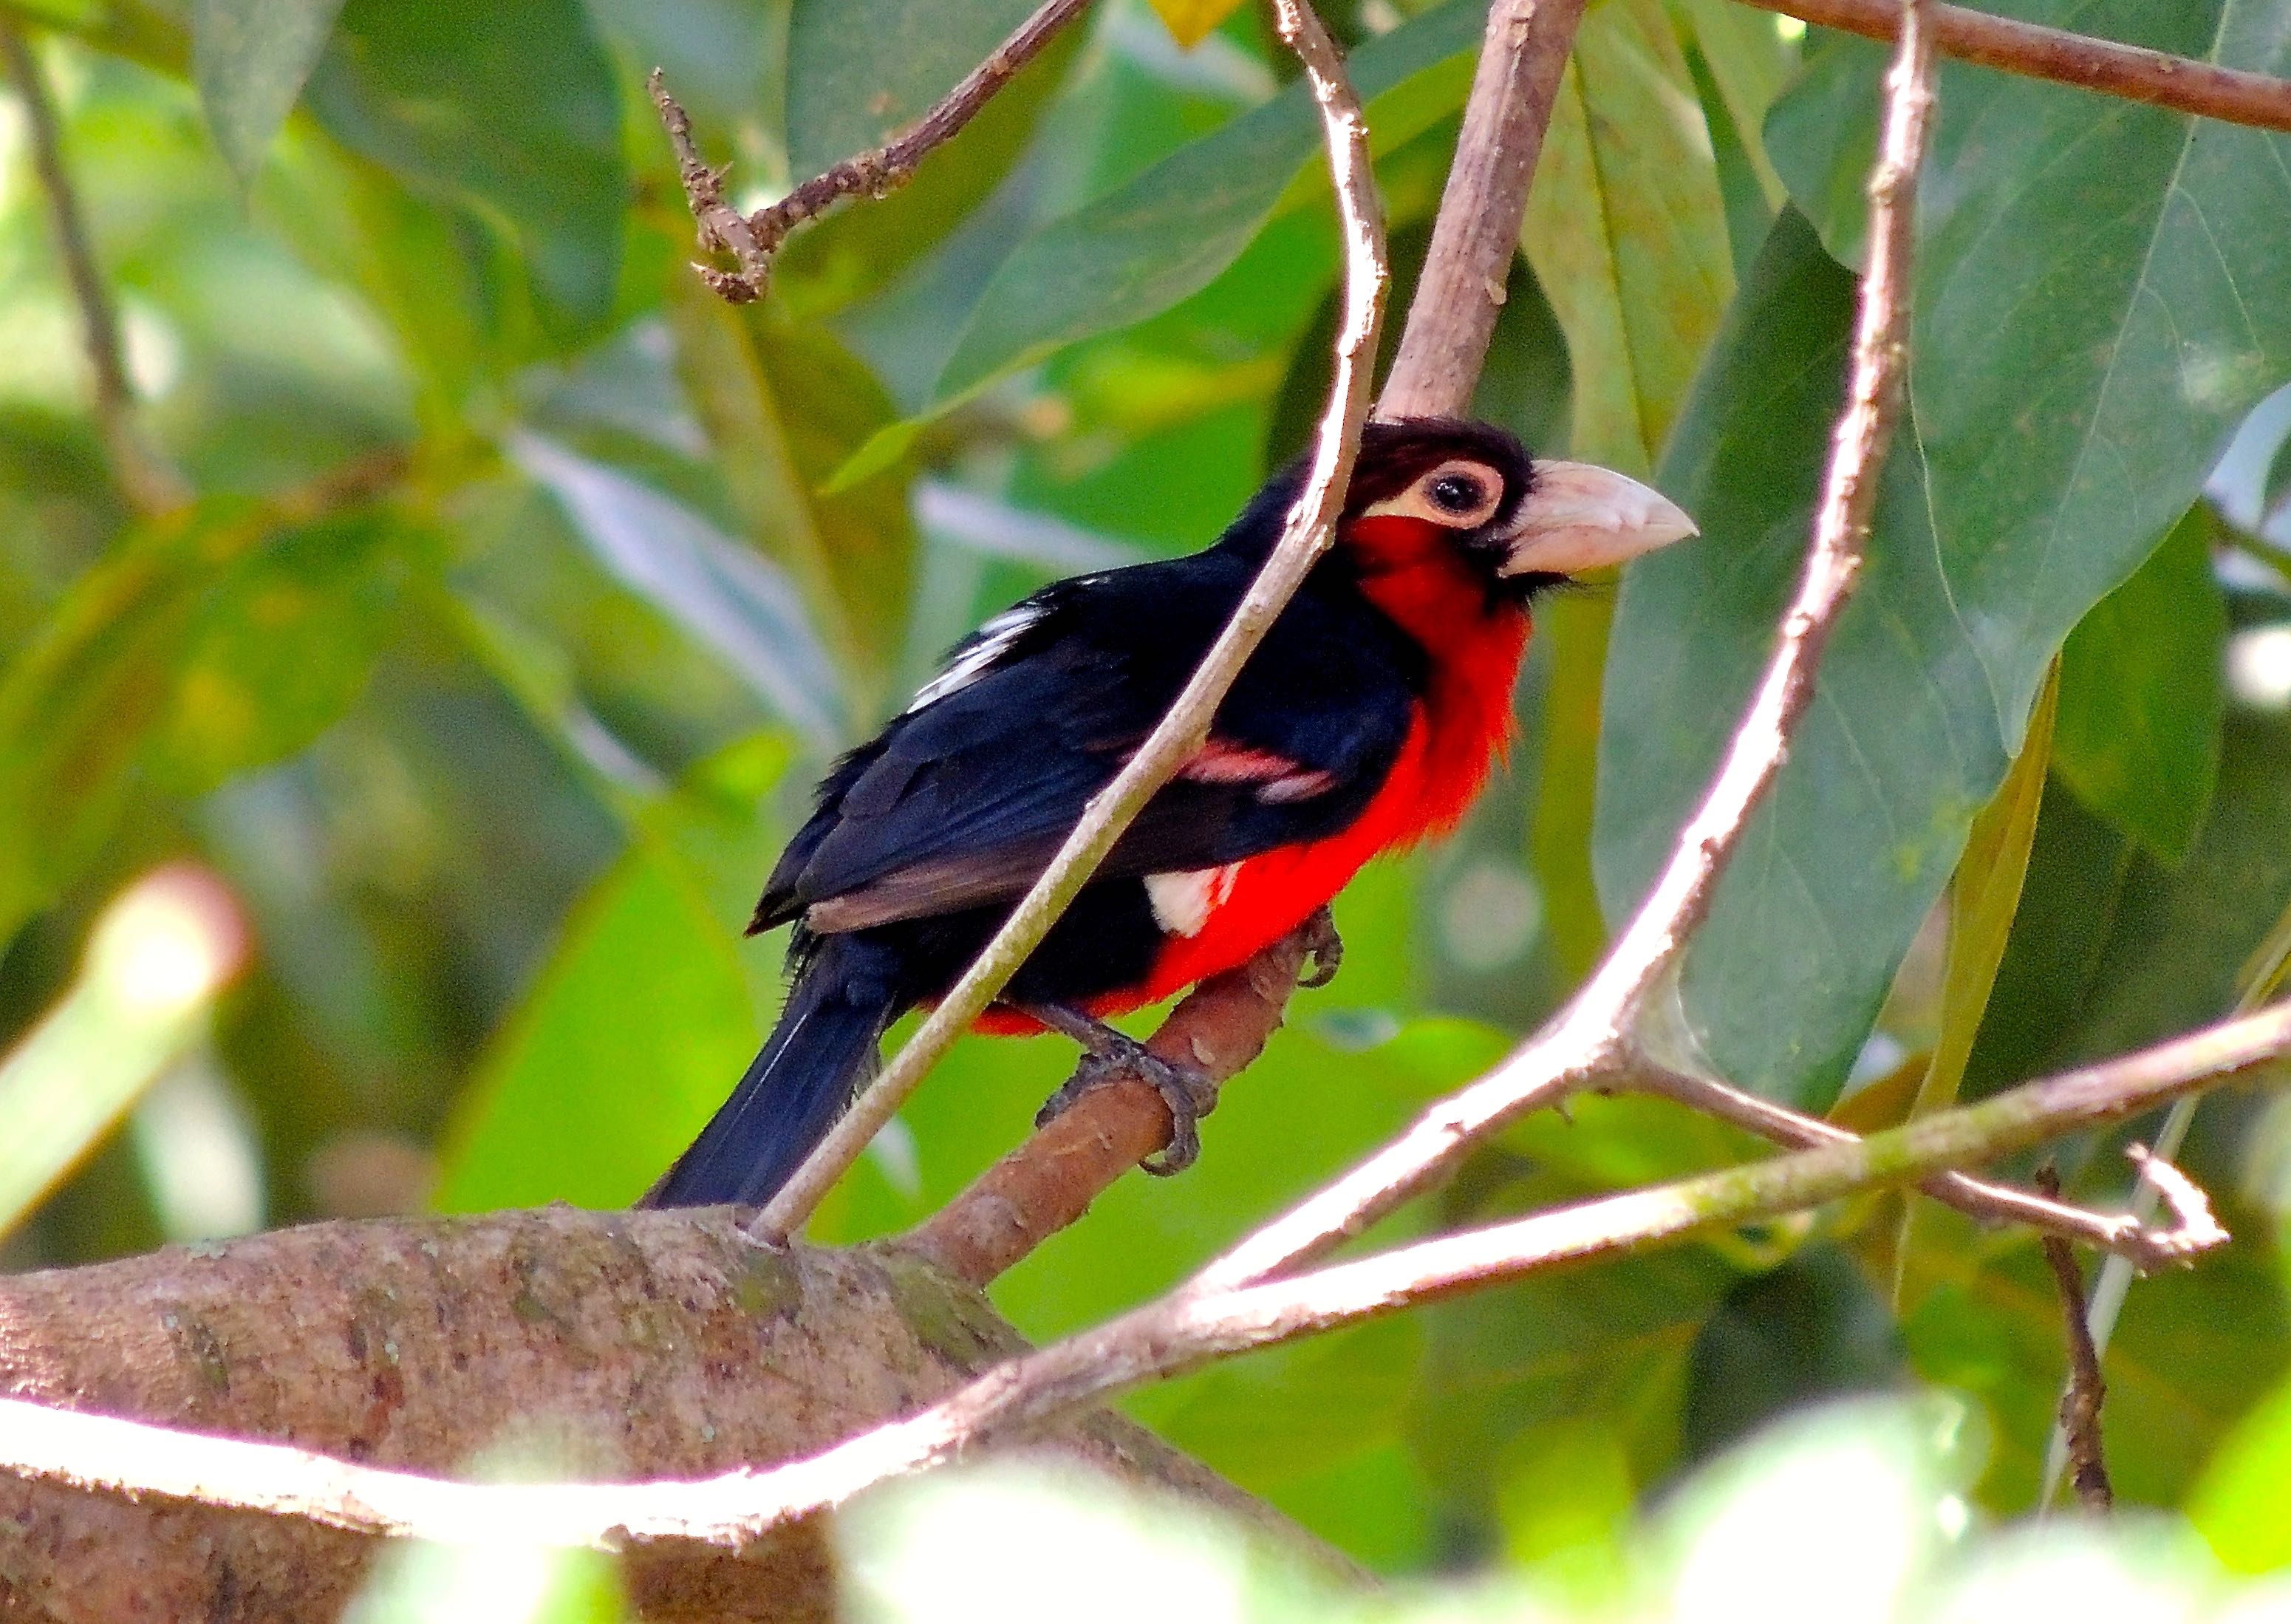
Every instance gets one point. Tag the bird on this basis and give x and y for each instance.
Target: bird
(1367, 721)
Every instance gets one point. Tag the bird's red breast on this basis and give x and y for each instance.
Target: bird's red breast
(1216, 919)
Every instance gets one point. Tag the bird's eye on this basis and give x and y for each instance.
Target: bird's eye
(1457, 494)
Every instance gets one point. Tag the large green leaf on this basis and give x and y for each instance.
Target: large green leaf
(1627, 230)
(1899, 750)
(1169, 231)
(250, 58)
(508, 106)
(2138, 737)
(2104, 291)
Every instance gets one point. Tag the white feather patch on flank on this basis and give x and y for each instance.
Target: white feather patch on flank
(977, 656)
(1183, 901)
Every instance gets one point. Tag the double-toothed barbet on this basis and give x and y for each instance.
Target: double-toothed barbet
(1367, 721)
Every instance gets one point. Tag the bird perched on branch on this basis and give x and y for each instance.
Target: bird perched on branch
(1367, 721)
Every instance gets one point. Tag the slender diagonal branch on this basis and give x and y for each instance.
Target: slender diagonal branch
(1305, 536)
(1048, 1181)
(2130, 72)
(751, 239)
(1523, 56)
(1179, 1332)
(143, 474)
(1590, 1038)
(2146, 1247)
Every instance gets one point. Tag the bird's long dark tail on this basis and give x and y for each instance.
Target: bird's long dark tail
(823, 1046)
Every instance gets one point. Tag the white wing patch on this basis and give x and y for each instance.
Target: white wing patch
(977, 656)
(1183, 901)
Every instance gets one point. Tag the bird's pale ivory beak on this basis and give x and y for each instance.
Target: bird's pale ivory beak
(1578, 517)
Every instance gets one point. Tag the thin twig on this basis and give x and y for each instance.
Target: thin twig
(143, 474)
(1177, 1333)
(1523, 58)
(1049, 1180)
(2144, 1246)
(2080, 1404)
(2260, 976)
(752, 239)
(1305, 536)
(1590, 1037)
(2130, 72)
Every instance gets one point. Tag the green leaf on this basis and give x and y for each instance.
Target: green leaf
(1900, 748)
(280, 649)
(158, 660)
(1169, 232)
(2113, 949)
(1627, 231)
(1984, 894)
(509, 107)
(2237, 1503)
(1750, 63)
(848, 59)
(2141, 695)
(2133, 266)
(1807, 1329)
(785, 406)
(250, 58)
(634, 1033)
(861, 71)
(2195, 1350)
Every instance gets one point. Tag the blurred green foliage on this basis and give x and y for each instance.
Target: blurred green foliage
(528, 588)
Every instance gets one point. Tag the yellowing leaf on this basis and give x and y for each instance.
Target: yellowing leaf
(1192, 22)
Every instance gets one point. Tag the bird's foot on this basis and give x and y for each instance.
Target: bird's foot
(1111, 1057)
(1323, 946)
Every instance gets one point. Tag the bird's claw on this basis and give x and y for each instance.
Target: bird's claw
(1189, 1094)
(1323, 946)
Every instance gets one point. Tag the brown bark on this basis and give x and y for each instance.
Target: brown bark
(636, 1344)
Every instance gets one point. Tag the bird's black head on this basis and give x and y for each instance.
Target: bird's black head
(1522, 523)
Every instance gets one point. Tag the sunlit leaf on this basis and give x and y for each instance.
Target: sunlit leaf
(2139, 733)
(1192, 22)
(636, 1031)
(2237, 1503)
(251, 58)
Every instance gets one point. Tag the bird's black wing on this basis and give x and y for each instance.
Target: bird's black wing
(962, 800)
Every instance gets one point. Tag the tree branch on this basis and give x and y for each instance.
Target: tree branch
(1590, 1038)
(2080, 1404)
(1181, 1332)
(2030, 49)
(2127, 1235)
(752, 239)
(1048, 1181)
(1522, 56)
(1304, 537)
(145, 477)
